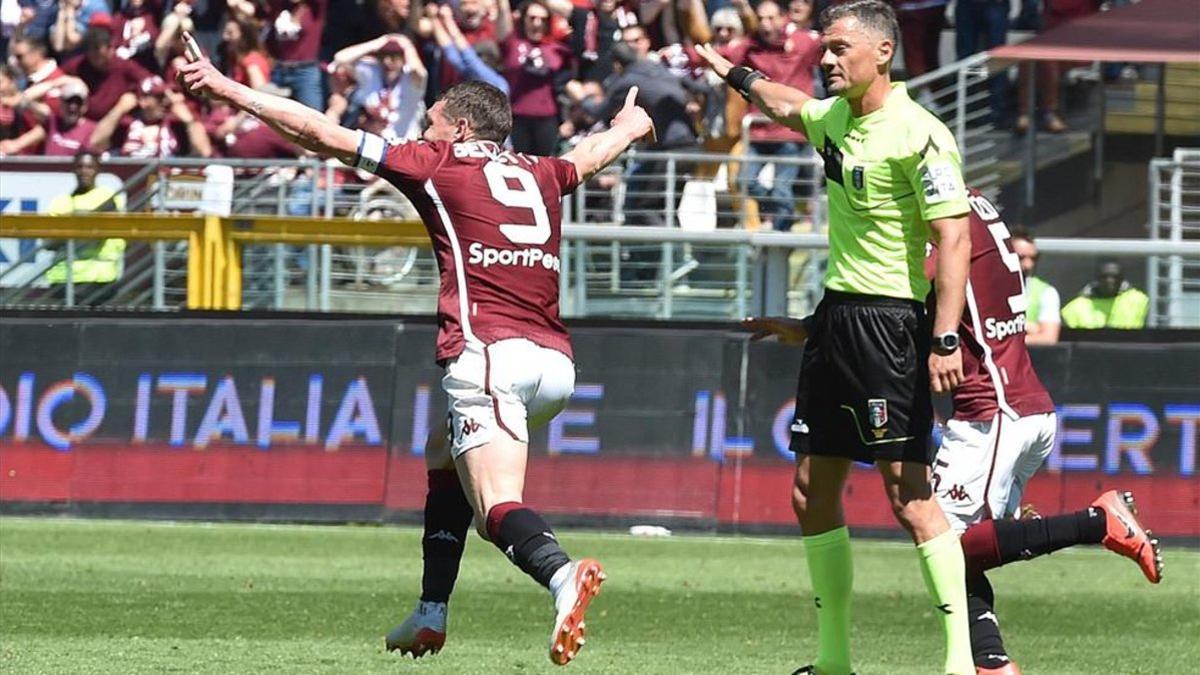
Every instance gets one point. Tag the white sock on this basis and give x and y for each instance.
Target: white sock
(560, 577)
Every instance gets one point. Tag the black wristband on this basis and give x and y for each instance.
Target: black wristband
(741, 77)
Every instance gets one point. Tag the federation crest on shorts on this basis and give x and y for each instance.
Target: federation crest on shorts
(877, 414)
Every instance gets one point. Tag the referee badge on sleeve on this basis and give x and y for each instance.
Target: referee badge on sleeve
(877, 414)
(941, 182)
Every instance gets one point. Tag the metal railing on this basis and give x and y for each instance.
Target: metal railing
(1174, 203)
(692, 192)
(959, 93)
(692, 263)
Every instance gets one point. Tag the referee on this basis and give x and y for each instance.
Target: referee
(894, 180)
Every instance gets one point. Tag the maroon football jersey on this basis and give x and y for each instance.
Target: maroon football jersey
(495, 219)
(998, 374)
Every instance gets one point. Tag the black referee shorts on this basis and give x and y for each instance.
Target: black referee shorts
(864, 381)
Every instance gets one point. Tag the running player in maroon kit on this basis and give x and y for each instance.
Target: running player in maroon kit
(494, 217)
(1002, 429)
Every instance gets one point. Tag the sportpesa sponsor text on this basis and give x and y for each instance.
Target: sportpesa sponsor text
(999, 330)
(524, 257)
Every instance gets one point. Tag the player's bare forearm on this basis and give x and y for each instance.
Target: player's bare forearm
(298, 123)
(953, 238)
(779, 102)
(601, 149)
(308, 128)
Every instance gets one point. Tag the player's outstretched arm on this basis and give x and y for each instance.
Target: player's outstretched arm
(599, 150)
(777, 101)
(298, 123)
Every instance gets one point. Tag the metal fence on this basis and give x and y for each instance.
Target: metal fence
(1174, 202)
(690, 192)
(661, 235)
(963, 94)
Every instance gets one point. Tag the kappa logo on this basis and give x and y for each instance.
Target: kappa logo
(988, 616)
(945, 608)
(957, 492)
(444, 535)
(469, 426)
(799, 426)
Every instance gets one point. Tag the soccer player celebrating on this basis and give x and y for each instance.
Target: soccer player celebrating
(494, 218)
(1002, 429)
(894, 181)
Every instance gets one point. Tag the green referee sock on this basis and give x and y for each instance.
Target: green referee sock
(832, 574)
(944, 569)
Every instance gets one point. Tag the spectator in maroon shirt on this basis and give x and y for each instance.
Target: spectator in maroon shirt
(476, 26)
(154, 122)
(32, 57)
(243, 58)
(537, 68)
(473, 20)
(20, 133)
(800, 14)
(594, 31)
(668, 22)
(294, 41)
(135, 29)
(67, 130)
(106, 76)
(789, 57)
(921, 23)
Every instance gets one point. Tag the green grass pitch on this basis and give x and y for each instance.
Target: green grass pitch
(140, 597)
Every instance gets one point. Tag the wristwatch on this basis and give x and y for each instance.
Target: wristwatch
(945, 344)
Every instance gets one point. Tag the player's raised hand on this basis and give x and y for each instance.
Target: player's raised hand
(633, 116)
(789, 331)
(719, 64)
(199, 76)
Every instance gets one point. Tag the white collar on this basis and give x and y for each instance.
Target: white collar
(44, 72)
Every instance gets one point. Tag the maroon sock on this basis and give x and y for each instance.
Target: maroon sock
(980, 547)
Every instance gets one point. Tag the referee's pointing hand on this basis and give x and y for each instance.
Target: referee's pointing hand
(719, 64)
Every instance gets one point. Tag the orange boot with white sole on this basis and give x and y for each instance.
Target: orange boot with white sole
(570, 604)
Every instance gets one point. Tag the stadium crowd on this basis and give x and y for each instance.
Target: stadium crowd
(100, 74)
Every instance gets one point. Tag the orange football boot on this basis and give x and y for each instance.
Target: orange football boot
(1126, 536)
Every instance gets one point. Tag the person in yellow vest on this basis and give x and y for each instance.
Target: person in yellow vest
(1108, 302)
(1042, 320)
(98, 264)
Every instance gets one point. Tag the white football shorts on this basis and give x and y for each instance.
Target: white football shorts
(507, 387)
(981, 468)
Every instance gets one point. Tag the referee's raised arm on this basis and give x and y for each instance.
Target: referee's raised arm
(777, 101)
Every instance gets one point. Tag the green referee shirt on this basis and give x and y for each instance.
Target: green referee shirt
(888, 173)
